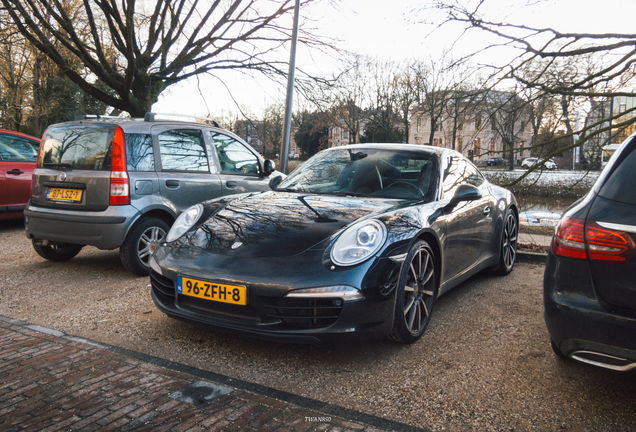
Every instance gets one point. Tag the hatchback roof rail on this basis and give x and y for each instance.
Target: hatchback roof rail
(151, 117)
(95, 116)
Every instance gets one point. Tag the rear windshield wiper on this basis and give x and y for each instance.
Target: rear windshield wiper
(56, 165)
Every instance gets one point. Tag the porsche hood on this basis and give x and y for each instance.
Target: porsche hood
(279, 224)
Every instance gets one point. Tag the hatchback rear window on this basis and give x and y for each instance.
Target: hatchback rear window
(83, 148)
(620, 184)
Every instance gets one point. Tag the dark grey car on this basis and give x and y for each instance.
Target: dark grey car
(121, 183)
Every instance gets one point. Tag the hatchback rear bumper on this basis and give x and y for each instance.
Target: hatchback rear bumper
(104, 230)
(577, 322)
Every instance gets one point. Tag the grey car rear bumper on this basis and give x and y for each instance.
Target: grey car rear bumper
(104, 230)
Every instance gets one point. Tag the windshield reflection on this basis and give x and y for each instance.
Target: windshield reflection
(383, 173)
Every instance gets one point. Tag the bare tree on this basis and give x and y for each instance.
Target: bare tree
(611, 72)
(138, 49)
(509, 116)
(15, 59)
(349, 93)
(442, 85)
(407, 96)
(272, 129)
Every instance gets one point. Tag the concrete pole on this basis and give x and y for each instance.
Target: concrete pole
(284, 153)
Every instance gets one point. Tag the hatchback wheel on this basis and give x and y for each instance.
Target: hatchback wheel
(141, 242)
(57, 253)
(417, 289)
(508, 247)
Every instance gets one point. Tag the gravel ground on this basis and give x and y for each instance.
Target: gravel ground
(484, 363)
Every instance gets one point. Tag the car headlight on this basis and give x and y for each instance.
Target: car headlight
(358, 243)
(184, 222)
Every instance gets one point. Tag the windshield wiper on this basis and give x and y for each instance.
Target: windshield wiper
(293, 190)
(320, 218)
(354, 194)
(286, 190)
(56, 165)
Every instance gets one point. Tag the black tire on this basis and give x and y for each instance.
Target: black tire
(140, 243)
(557, 351)
(508, 245)
(415, 296)
(57, 253)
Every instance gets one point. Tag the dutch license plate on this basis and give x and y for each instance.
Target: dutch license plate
(234, 294)
(74, 195)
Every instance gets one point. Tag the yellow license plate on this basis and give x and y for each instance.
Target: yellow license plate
(74, 195)
(234, 294)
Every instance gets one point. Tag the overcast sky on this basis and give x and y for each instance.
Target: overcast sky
(392, 29)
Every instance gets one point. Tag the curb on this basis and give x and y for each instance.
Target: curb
(532, 257)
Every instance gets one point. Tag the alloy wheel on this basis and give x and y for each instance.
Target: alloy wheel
(148, 243)
(509, 247)
(419, 291)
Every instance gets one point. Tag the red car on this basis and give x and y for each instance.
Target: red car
(18, 157)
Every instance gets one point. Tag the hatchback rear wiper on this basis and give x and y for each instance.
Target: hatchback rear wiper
(56, 165)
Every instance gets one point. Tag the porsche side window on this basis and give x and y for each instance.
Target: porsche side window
(233, 156)
(458, 172)
(472, 176)
(453, 177)
(183, 150)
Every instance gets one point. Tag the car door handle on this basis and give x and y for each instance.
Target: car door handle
(172, 184)
(231, 184)
(15, 172)
(487, 211)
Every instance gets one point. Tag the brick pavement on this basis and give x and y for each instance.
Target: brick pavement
(50, 381)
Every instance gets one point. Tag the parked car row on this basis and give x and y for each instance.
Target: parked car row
(525, 163)
(358, 242)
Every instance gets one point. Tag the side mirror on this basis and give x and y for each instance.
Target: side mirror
(275, 181)
(464, 192)
(269, 166)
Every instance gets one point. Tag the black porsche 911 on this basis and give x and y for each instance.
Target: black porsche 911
(358, 242)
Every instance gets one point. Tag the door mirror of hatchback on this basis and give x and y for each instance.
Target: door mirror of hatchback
(269, 166)
(464, 192)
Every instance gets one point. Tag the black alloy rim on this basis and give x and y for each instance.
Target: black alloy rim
(419, 291)
(510, 241)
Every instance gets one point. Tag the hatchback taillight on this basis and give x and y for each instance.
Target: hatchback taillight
(580, 239)
(119, 186)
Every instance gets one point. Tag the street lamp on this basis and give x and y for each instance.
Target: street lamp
(290, 92)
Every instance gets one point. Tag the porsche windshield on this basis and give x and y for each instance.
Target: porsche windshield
(384, 173)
